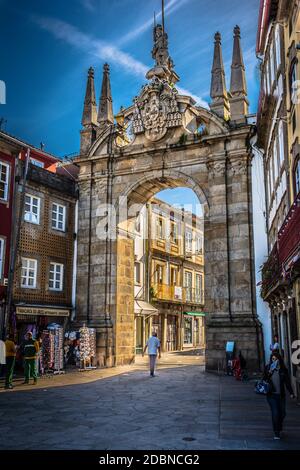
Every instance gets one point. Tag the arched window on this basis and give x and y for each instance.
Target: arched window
(297, 175)
(293, 81)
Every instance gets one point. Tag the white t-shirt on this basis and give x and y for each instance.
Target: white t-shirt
(153, 344)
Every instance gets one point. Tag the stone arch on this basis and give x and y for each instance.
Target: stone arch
(163, 179)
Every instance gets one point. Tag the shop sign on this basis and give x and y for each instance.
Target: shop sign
(48, 312)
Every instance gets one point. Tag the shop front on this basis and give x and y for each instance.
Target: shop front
(47, 325)
(146, 320)
(194, 329)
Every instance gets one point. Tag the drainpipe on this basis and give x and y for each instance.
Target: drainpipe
(74, 263)
(15, 241)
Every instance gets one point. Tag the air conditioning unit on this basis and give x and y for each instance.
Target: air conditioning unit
(5, 281)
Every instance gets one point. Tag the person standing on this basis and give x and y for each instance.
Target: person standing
(10, 353)
(153, 345)
(275, 345)
(30, 350)
(277, 375)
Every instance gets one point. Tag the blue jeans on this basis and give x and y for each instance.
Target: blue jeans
(277, 405)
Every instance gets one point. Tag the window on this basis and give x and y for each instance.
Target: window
(37, 163)
(58, 217)
(198, 287)
(32, 209)
(297, 176)
(174, 233)
(294, 122)
(28, 274)
(159, 228)
(173, 280)
(267, 77)
(188, 241)
(277, 48)
(188, 283)
(159, 274)
(56, 276)
(1, 257)
(199, 245)
(137, 273)
(293, 82)
(281, 145)
(4, 175)
(275, 158)
(272, 75)
(138, 224)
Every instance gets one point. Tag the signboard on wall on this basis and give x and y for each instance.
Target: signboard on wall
(48, 312)
(178, 292)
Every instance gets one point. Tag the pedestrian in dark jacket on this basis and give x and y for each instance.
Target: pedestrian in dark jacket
(277, 375)
(30, 350)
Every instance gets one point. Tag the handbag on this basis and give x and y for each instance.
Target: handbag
(262, 387)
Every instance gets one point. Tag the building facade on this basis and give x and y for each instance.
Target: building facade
(169, 274)
(43, 280)
(278, 115)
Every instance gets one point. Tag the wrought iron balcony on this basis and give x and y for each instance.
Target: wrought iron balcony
(271, 272)
(289, 235)
(177, 294)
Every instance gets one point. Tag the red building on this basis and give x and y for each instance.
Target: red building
(12, 151)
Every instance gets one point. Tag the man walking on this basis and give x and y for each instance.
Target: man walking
(10, 353)
(30, 349)
(153, 345)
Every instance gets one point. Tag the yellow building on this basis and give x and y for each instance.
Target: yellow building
(174, 278)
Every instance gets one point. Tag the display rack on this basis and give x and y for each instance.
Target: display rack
(87, 348)
(52, 357)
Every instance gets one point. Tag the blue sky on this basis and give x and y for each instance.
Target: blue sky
(46, 54)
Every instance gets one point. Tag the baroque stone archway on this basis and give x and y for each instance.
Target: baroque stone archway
(164, 141)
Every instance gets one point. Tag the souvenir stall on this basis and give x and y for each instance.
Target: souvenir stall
(80, 348)
(87, 348)
(52, 352)
(47, 326)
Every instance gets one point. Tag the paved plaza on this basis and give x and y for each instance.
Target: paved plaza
(123, 408)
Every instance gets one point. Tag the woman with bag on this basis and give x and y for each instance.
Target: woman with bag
(277, 375)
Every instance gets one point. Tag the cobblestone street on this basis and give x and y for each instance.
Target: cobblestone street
(123, 408)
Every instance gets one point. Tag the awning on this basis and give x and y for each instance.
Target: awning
(195, 314)
(144, 308)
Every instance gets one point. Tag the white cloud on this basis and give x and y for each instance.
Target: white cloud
(88, 4)
(101, 49)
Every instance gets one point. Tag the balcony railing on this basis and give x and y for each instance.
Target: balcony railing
(270, 271)
(177, 294)
(289, 233)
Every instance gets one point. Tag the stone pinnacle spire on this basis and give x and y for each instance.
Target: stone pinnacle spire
(164, 66)
(238, 88)
(218, 91)
(89, 115)
(105, 111)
